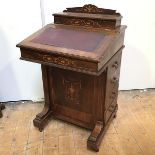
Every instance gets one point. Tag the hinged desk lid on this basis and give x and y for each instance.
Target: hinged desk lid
(78, 43)
(70, 39)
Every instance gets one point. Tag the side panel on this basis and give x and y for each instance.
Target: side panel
(77, 97)
(113, 72)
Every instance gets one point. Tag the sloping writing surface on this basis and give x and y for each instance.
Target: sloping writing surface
(70, 39)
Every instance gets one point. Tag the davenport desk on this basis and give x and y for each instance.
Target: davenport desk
(80, 57)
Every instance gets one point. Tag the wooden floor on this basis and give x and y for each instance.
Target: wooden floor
(131, 133)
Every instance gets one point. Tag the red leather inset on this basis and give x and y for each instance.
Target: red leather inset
(71, 39)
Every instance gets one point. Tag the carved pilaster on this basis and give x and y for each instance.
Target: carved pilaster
(41, 118)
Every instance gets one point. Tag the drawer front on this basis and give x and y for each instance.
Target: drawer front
(113, 73)
(113, 93)
(112, 89)
(115, 63)
(56, 60)
(110, 110)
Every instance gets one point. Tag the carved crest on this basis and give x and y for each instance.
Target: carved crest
(72, 91)
(89, 8)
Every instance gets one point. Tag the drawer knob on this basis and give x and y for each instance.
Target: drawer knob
(114, 80)
(115, 65)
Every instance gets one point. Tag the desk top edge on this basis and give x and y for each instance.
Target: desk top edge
(26, 43)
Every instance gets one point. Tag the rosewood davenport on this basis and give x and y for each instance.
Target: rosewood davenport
(80, 56)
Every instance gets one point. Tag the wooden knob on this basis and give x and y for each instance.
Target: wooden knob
(115, 65)
(114, 80)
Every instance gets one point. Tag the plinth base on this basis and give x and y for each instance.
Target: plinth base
(95, 138)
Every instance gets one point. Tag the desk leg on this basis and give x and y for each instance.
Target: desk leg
(2, 106)
(41, 118)
(95, 138)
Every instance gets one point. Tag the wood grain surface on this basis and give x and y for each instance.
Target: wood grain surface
(132, 132)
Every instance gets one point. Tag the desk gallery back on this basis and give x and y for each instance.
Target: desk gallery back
(80, 57)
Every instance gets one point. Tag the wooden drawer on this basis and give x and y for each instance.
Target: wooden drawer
(113, 93)
(115, 63)
(113, 73)
(58, 61)
(110, 110)
(112, 88)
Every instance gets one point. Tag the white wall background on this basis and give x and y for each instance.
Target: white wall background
(18, 79)
(18, 19)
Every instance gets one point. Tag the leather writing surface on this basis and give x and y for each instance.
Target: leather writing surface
(72, 39)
